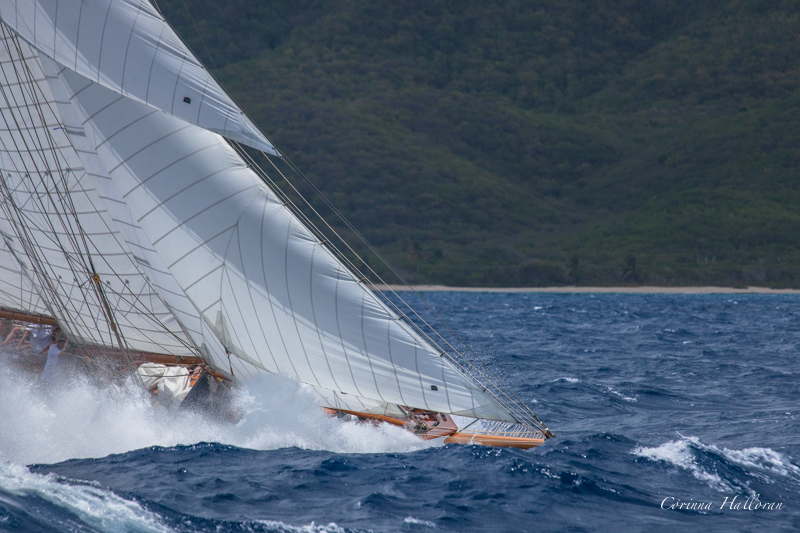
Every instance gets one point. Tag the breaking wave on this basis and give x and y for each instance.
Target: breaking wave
(32, 495)
(707, 462)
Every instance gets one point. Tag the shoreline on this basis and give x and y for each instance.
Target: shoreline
(573, 289)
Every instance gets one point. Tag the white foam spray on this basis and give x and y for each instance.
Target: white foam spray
(81, 420)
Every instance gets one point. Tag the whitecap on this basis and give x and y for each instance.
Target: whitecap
(765, 459)
(754, 460)
(96, 507)
(679, 453)
(418, 522)
(309, 528)
(568, 380)
(620, 395)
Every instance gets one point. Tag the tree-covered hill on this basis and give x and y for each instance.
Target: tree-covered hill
(533, 143)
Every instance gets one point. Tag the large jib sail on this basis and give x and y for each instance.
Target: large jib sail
(130, 218)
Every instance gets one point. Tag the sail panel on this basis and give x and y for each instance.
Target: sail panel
(56, 230)
(274, 296)
(127, 47)
(147, 260)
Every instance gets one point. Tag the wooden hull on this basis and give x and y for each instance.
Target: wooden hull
(503, 441)
(445, 428)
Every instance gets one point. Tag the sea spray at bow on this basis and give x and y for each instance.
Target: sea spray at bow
(41, 425)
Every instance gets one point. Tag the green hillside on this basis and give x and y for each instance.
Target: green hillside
(534, 143)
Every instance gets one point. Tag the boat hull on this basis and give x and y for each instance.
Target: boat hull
(502, 441)
(444, 428)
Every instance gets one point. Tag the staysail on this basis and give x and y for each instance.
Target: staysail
(157, 196)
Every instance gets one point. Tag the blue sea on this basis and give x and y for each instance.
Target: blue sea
(656, 401)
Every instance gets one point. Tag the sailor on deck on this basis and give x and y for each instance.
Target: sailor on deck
(52, 367)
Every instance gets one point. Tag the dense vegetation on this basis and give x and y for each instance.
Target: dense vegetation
(533, 143)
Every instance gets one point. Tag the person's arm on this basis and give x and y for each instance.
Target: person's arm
(12, 334)
(44, 350)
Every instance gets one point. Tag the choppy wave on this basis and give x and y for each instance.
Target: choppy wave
(613, 378)
(691, 455)
(27, 496)
(47, 502)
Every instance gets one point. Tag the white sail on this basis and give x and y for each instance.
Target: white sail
(126, 46)
(172, 209)
(56, 231)
(274, 296)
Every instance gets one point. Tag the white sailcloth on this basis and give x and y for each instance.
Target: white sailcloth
(127, 47)
(274, 296)
(56, 230)
(233, 273)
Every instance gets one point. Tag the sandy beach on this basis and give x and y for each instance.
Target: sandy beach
(570, 289)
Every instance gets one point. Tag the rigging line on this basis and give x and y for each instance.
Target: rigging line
(67, 202)
(67, 199)
(499, 388)
(301, 215)
(55, 151)
(382, 259)
(33, 85)
(26, 241)
(41, 149)
(289, 204)
(23, 270)
(371, 285)
(34, 194)
(199, 34)
(518, 415)
(352, 228)
(337, 253)
(510, 407)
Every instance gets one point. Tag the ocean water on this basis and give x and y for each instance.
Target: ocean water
(656, 400)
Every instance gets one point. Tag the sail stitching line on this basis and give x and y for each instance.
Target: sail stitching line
(289, 298)
(314, 316)
(339, 330)
(255, 311)
(266, 288)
